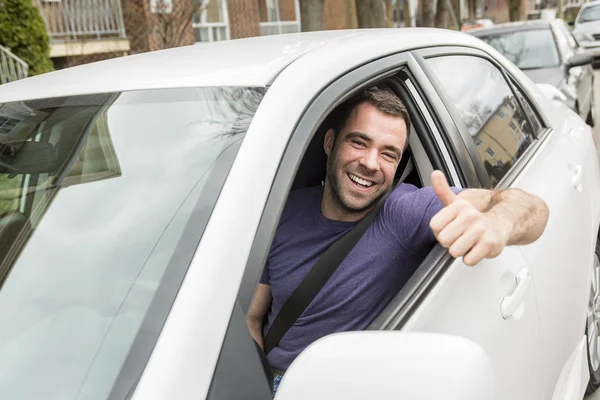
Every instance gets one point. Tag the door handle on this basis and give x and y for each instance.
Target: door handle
(578, 177)
(510, 303)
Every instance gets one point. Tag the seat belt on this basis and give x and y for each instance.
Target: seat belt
(320, 273)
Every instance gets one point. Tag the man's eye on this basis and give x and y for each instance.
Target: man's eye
(390, 156)
(358, 143)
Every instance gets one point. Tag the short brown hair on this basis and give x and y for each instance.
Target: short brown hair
(386, 102)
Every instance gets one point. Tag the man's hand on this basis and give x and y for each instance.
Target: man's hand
(463, 229)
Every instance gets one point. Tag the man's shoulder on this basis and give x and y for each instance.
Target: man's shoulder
(408, 192)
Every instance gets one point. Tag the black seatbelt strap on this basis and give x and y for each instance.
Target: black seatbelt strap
(316, 278)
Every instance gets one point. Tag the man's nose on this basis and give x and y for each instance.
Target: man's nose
(370, 160)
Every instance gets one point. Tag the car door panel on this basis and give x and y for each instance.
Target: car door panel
(467, 302)
(560, 260)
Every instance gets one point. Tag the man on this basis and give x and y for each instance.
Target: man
(363, 152)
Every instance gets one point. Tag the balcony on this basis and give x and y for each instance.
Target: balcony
(11, 66)
(80, 27)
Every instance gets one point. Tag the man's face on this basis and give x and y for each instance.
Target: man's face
(363, 158)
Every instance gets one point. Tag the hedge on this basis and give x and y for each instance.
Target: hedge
(23, 31)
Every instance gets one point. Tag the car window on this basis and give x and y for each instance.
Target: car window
(529, 49)
(589, 14)
(96, 194)
(489, 109)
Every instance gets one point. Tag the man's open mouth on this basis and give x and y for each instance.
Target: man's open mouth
(360, 182)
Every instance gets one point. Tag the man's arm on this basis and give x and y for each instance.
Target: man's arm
(478, 223)
(258, 309)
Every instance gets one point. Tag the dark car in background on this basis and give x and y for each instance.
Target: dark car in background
(549, 54)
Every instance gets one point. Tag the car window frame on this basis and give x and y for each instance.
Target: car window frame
(521, 162)
(321, 106)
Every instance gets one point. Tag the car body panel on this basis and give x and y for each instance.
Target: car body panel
(558, 264)
(471, 302)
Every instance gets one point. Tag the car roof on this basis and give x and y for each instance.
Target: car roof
(243, 62)
(512, 27)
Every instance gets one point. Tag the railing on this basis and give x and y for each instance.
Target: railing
(11, 66)
(279, 27)
(82, 19)
(210, 31)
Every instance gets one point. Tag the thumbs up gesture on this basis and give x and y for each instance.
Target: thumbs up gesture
(463, 229)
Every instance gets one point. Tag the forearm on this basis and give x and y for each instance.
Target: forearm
(524, 215)
(255, 326)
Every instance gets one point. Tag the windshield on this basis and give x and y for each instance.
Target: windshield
(589, 14)
(96, 193)
(530, 49)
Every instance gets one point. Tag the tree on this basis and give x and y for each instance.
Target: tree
(371, 13)
(514, 10)
(311, 15)
(442, 14)
(23, 31)
(428, 16)
(174, 19)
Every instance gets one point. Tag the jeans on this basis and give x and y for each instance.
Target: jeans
(276, 380)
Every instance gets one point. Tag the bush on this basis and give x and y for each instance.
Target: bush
(23, 31)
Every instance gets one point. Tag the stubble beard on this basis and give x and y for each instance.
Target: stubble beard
(336, 188)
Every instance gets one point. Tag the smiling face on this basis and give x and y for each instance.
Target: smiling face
(362, 161)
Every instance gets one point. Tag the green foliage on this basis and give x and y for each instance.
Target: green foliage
(23, 31)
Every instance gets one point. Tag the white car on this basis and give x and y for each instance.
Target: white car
(587, 28)
(139, 197)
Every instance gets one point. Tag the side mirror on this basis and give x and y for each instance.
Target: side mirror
(389, 365)
(580, 59)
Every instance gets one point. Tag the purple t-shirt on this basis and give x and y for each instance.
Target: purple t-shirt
(371, 275)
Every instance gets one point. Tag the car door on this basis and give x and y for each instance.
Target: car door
(495, 303)
(559, 261)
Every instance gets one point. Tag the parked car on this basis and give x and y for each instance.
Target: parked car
(587, 27)
(139, 197)
(547, 52)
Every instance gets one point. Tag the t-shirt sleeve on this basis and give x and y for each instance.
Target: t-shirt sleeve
(265, 278)
(409, 215)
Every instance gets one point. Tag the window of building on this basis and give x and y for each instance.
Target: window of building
(479, 94)
(279, 16)
(211, 22)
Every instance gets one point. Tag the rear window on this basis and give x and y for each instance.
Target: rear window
(531, 49)
(96, 193)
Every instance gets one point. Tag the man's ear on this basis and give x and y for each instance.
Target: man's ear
(328, 142)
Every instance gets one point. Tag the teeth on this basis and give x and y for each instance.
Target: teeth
(360, 181)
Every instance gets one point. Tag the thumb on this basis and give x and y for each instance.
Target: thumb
(441, 188)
